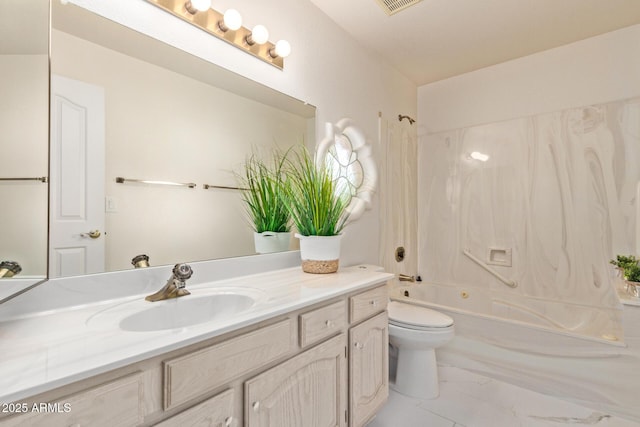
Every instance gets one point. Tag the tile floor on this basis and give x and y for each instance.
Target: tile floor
(470, 400)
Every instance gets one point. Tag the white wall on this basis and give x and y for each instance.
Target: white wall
(326, 69)
(592, 71)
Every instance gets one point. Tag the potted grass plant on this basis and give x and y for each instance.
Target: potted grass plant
(263, 194)
(317, 206)
(629, 266)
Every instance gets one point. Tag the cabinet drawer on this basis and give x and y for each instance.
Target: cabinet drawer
(322, 323)
(217, 411)
(116, 403)
(368, 303)
(194, 374)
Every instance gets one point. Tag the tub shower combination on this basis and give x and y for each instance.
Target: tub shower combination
(517, 222)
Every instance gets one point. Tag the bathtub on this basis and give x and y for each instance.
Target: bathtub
(531, 326)
(578, 357)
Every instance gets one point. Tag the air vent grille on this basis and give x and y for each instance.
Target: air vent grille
(395, 6)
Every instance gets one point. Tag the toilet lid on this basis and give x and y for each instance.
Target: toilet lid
(416, 316)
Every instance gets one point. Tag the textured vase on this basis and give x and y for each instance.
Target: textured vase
(319, 254)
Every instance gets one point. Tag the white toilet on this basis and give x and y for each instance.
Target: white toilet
(415, 332)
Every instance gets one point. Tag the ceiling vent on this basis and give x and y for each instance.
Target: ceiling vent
(395, 6)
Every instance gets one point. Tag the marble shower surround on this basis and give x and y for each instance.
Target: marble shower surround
(558, 190)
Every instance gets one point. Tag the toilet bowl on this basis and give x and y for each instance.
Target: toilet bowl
(415, 332)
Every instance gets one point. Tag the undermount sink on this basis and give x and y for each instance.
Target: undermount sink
(201, 306)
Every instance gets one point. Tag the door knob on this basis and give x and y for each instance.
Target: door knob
(94, 234)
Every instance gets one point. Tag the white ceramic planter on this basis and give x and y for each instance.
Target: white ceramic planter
(269, 241)
(319, 254)
(632, 288)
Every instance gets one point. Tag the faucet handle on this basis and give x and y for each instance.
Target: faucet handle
(9, 268)
(182, 271)
(140, 261)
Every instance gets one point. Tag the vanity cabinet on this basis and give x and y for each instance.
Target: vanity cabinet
(325, 365)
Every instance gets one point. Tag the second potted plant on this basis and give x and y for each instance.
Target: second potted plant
(263, 193)
(629, 266)
(317, 207)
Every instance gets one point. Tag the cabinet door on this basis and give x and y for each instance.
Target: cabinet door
(368, 368)
(307, 390)
(214, 412)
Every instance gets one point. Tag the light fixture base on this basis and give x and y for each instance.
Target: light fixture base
(208, 22)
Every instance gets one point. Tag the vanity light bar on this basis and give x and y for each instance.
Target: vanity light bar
(210, 20)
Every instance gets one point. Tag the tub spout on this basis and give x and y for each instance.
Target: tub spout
(406, 278)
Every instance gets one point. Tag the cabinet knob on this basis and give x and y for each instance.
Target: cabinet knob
(359, 345)
(228, 422)
(374, 303)
(329, 324)
(256, 405)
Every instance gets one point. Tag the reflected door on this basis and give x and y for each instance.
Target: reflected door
(76, 244)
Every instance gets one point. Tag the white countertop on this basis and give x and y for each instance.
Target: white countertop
(46, 350)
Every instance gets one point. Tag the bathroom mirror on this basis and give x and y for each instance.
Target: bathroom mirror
(24, 138)
(166, 117)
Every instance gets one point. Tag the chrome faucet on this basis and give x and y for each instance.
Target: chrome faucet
(175, 286)
(9, 269)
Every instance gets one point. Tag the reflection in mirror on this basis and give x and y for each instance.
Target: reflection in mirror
(151, 113)
(24, 81)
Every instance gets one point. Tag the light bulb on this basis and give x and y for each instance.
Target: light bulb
(232, 19)
(201, 5)
(259, 34)
(194, 6)
(283, 48)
